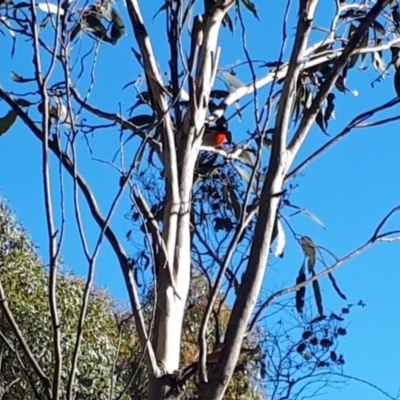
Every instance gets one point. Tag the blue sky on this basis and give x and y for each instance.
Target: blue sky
(350, 188)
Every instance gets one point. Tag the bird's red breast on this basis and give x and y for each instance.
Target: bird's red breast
(216, 136)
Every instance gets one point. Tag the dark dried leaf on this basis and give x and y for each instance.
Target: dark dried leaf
(301, 347)
(336, 287)
(308, 247)
(300, 294)
(318, 319)
(318, 297)
(341, 331)
(337, 317)
(306, 335)
(326, 342)
(314, 341)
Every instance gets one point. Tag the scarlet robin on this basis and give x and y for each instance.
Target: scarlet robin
(216, 136)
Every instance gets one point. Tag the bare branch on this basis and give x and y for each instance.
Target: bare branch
(376, 237)
(110, 235)
(24, 345)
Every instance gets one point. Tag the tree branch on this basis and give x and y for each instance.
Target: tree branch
(110, 235)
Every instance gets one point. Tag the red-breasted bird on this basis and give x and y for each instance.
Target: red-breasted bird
(216, 136)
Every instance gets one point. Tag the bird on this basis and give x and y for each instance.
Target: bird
(216, 136)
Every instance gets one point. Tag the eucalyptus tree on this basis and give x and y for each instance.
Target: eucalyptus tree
(217, 209)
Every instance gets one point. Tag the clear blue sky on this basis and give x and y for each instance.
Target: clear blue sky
(350, 188)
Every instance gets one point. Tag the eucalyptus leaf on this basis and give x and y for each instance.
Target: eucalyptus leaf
(7, 121)
(233, 80)
(251, 7)
(18, 78)
(280, 239)
(397, 82)
(50, 8)
(247, 157)
(309, 247)
(300, 293)
(237, 208)
(118, 26)
(23, 102)
(318, 297)
(309, 214)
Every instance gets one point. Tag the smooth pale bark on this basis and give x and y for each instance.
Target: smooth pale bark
(181, 151)
(282, 157)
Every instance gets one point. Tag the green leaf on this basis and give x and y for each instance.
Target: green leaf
(354, 58)
(232, 80)
(320, 120)
(251, 7)
(247, 157)
(227, 21)
(7, 121)
(237, 208)
(308, 213)
(18, 78)
(23, 102)
(243, 173)
(162, 8)
(340, 84)
(364, 44)
(378, 27)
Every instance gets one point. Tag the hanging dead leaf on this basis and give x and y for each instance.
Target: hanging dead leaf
(308, 247)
